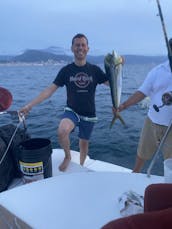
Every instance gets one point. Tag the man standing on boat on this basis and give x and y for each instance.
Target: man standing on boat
(158, 86)
(80, 79)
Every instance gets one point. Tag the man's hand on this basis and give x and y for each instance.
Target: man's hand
(25, 110)
(119, 109)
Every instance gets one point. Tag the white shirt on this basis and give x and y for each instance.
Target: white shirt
(158, 82)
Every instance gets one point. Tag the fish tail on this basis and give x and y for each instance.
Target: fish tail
(122, 120)
(113, 121)
(117, 116)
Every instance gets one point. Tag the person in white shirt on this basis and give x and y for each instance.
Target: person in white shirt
(157, 83)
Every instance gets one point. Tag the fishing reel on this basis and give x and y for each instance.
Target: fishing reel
(166, 101)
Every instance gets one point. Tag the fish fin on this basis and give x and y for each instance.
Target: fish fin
(117, 116)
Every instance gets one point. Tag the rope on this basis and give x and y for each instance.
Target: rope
(21, 120)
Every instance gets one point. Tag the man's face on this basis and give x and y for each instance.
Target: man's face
(80, 48)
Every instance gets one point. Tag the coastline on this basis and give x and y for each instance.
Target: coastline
(42, 63)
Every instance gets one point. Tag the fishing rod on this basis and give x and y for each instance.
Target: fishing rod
(167, 97)
(165, 34)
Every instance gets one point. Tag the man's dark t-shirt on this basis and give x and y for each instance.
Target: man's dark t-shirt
(81, 82)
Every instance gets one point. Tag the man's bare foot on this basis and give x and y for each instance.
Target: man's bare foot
(63, 166)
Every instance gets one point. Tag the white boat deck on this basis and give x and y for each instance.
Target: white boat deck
(80, 198)
(89, 165)
(74, 166)
(75, 200)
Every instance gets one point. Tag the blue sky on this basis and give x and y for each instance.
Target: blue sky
(129, 27)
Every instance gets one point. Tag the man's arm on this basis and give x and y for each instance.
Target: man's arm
(135, 98)
(40, 98)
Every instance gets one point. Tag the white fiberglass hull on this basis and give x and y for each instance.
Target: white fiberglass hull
(76, 199)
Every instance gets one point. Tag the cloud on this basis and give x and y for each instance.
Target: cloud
(130, 26)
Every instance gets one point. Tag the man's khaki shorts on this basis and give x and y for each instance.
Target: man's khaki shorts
(150, 139)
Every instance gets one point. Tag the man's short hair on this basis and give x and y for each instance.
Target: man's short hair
(79, 35)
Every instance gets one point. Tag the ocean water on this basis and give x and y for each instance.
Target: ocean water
(117, 145)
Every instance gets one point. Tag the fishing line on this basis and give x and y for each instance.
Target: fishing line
(165, 34)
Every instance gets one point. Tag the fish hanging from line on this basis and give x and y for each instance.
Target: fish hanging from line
(113, 66)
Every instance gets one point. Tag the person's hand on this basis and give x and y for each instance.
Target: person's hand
(114, 110)
(25, 110)
(119, 109)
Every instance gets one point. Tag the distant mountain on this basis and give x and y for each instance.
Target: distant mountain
(58, 54)
(55, 50)
(39, 56)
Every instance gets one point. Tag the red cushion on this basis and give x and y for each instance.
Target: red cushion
(150, 220)
(158, 197)
(5, 99)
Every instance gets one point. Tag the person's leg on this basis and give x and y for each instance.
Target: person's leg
(83, 145)
(65, 127)
(167, 146)
(147, 145)
(138, 164)
(85, 130)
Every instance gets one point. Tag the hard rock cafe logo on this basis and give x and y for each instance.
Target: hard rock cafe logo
(81, 79)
